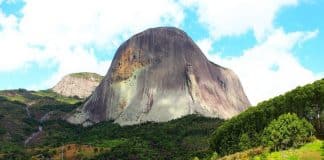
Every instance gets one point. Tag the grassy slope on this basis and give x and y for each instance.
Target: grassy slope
(87, 75)
(16, 125)
(310, 151)
(57, 97)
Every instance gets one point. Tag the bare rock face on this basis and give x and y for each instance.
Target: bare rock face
(78, 84)
(159, 75)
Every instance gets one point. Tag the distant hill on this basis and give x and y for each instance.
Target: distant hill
(78, 84)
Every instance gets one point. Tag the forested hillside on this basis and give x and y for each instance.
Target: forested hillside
(307, 102)
(22, 112)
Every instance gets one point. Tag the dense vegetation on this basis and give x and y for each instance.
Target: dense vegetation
(287, 131)
(20, 115)
(178, 139)
(247, 128)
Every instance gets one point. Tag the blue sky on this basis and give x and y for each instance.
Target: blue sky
(273, 46)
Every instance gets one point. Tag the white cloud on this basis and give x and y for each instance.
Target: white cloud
(72, 61)
(267, 69)
(15, 50)
(65, 32)
(236, 17)
(65, 23)
(270, 68)
(205, 45)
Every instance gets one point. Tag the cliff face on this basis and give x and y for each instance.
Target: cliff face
(78, 84)
(158, 75)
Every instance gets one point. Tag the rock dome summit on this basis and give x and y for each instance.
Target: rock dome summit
(158, 75)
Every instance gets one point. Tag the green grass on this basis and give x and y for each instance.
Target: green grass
(310, 151)
(57, 97)
(87, 75)
(14, 95)
(18, 98)
(24, 96)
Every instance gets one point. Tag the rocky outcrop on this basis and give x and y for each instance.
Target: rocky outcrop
(158, 75)
(78, 84)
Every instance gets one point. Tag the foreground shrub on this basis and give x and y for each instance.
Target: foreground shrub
(287, 131)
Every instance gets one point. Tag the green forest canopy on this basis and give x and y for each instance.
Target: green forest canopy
(307, 102)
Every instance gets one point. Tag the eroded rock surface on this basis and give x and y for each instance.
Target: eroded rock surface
(78, 84)
(158, 75)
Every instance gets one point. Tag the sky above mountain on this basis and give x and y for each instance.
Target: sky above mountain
(272, 45)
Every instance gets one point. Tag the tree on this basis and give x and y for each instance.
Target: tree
(245, 142)
(287, 131)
